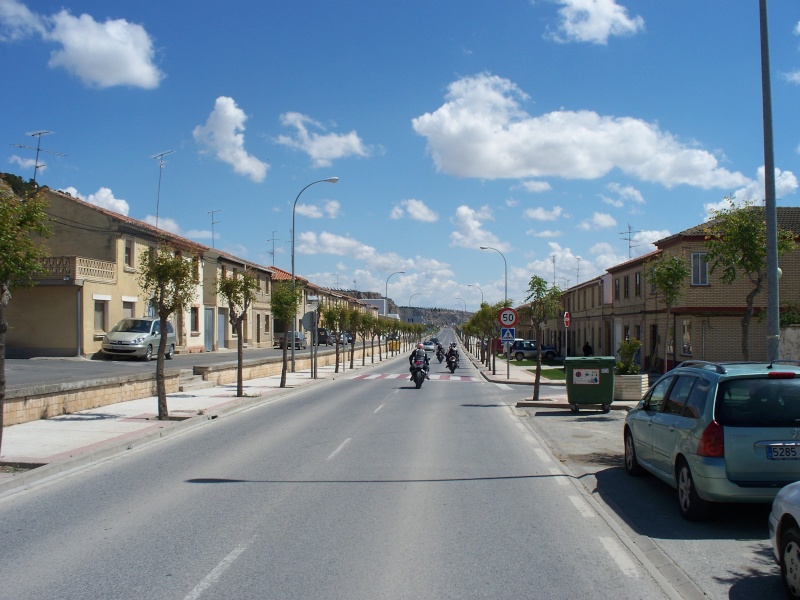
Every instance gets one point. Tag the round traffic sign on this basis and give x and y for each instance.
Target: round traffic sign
(507, 317)
(567, 319)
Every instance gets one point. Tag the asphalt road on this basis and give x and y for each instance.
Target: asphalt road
(360, 488)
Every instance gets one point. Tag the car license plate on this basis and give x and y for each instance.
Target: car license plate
(783, 452)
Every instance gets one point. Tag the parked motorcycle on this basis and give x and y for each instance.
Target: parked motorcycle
(418, 372)
(452, 363)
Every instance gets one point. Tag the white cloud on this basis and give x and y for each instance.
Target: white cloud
(165, 223)
(594, 21)
(785, 184)
(624, 193)
(17, 22)
(328, 243)
(103, 197)
(542, 214)
(414, 209)
(470, 232)
(482, 132)
(545, 233)
(536, 187)
(598, 221)
(25, 163)
(222, 135)
(331, 209)
(322, 148)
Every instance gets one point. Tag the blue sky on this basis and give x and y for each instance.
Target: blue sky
(546, 129)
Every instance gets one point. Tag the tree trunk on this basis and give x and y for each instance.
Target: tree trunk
(285, 355)
(336, 343)
(748, 314)
(666, 344)
(538, 377)
(5, 297)
(161, 387)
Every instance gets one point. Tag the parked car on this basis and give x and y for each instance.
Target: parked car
(324, 337)
(529, 350)
(345, 338)
(784, 533)
(718, 432)
(299, 340)
(138, 337)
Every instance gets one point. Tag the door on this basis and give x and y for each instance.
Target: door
(208, 329)
(641, 422)
(670, 424)
(221, 321)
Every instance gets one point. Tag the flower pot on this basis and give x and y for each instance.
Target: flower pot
(630, 387)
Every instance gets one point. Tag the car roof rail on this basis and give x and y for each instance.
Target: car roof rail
(787, 361)
(719, 368)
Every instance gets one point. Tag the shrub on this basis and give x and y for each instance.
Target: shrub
(627, 353)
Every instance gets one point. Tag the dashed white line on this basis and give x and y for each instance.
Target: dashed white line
(621, 557)
(217, 571)
(582, 507)
(559, 476)
(543, 456)
(377, 409)
(339, 449)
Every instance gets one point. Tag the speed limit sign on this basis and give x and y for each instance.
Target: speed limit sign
(507, 317)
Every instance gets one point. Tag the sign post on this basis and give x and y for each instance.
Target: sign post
(508, 318)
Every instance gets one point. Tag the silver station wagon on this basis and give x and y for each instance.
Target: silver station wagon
(138, 337)
(718, 432)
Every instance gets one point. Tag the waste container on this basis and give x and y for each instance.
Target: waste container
(590, 380)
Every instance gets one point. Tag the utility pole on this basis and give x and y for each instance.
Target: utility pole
(38, 135)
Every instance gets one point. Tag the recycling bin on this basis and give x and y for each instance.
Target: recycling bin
(590, 380)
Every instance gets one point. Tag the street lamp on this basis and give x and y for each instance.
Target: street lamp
(409, 303)
(386, 295)
(505, 296)
(294, 209)
(505, 270)
(464, 314)
(479, 287)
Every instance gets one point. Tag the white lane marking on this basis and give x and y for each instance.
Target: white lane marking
(217, 571)
(394, 375)
(372, 376)
(377, 409)
(621, 557)
(339, 449)
(559, 476)
(543, 456)
(582, 506)
(503, 386)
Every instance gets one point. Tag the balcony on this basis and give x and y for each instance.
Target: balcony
(78, 267)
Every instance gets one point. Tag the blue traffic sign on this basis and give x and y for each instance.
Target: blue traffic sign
(507, 334)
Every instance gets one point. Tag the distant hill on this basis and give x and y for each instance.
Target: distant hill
(438, 317)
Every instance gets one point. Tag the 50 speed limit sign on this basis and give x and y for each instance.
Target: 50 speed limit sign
(507, 317)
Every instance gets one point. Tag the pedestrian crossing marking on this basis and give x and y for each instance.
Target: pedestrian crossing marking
(433, 377)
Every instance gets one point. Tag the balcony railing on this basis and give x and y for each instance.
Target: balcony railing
(78, 267)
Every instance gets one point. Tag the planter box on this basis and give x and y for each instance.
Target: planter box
(630, 387)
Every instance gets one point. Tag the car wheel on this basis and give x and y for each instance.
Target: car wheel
(549, 356)
(632, 466)
(170, 353)
(691, 505)
(790, 561)
(519, 356)
(148, 355)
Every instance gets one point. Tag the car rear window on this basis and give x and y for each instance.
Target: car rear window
(759, 403)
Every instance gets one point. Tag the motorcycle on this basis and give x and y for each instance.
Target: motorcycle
(452, 363)
(440, 355)
(418, 372)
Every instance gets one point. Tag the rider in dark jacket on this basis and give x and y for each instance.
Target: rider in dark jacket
(419, 351)
(452, 351)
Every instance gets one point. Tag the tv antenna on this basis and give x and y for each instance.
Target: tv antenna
(213, 222)
(38, 135)
(578, 271)
(627, 236)
(160, 158)
(273, 239)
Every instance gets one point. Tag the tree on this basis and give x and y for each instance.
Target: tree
(239, 293)
(170, 280)
(23, 228)
(736, 240)
(667, 274)
(285, 297)
(354, 320)
(365, 325)
(544, 303)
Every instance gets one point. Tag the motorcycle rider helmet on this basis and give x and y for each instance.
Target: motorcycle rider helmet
(420, 346)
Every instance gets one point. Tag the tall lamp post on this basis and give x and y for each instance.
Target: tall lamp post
(464, 314)
(479, 288)
(409, 300)
(505, 296)
(386, 294)
(294, 210)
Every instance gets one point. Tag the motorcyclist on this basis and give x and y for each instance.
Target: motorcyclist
(419, 352)
(452, 351)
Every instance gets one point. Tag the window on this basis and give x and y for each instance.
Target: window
(678, 395)
(129, 253)
(195, 318)
(699, 268)
(100, 315)
(616, 289)
(656, 398)
(696, 402)
(637, 285)
(128, 310)
(627, 286)
(686, 340)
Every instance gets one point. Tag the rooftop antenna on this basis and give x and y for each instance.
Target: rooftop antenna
(553, 258)
(38, 135)
(629, 238)
(160, 158)
(213, 222)
(273, 239)
(578, 271)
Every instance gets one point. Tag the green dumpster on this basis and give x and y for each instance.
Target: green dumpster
(590, 380)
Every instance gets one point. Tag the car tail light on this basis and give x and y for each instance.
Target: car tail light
(781, 375)
(712, 442)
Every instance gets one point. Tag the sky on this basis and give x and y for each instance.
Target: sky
(565, 135)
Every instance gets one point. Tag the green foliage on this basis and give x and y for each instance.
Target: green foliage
(790, 315)
(23, 226)
(627, 352)
(667, 273)
(169, 278)
(239, 293)
(285, 298)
